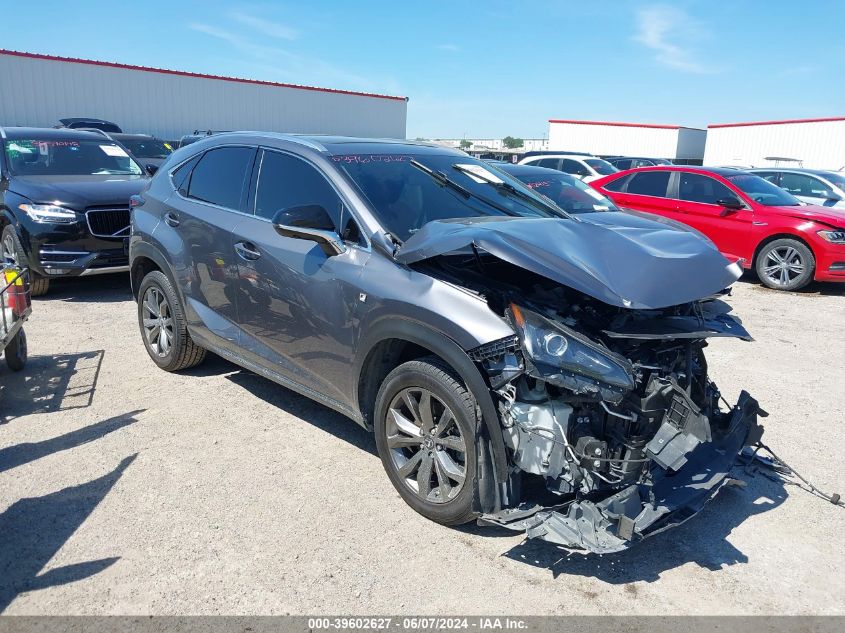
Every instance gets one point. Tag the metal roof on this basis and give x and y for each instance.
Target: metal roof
(165, 71)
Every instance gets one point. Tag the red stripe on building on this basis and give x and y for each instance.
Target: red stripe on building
(182, 73)
(617, 124)
(784, 122)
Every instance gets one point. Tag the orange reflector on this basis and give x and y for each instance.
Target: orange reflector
(517, 315)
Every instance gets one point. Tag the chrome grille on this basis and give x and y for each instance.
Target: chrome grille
(110, 222)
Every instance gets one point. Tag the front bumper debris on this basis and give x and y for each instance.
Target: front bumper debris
(638, 511)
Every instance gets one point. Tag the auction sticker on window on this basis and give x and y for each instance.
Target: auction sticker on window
(114, 150)
(478, 173)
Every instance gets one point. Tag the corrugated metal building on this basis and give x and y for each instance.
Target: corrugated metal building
(815, 143)
(627, 139)
(38, 90)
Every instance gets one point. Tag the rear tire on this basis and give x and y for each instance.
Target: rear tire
(425, 426)
(785, 264)
(16, 351)
(163, 326)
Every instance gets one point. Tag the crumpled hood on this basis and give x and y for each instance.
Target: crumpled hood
(624, 260)
(78, 192)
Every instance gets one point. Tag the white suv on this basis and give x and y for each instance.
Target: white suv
(581, 166)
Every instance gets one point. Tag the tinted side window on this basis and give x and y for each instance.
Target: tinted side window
(618, 184)
(801, 185)
(703, 189)
(180, 176)
(220, 176)
(771, 176)
(573, 167)
(286, 181)
(549, 163)
(649, 183)
(625, 163)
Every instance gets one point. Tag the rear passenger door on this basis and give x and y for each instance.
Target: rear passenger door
(197, 231)
(648, 191)
(698, 206)
(295, 303)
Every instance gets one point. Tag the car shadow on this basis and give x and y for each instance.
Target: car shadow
(289, 401)
(702, 540)
(50, 383)
(98, 288)
(823, 288)
(35, 529)
(25, 452)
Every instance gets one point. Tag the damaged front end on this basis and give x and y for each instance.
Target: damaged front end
(612, 410)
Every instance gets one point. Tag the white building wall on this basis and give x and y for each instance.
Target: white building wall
(35, 91)
(613, 138)
(819, 144)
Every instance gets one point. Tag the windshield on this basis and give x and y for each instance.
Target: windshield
(147, 148)
(407, 191)
(762, 191)
(52, 157)
(601, 166)
(569, 193)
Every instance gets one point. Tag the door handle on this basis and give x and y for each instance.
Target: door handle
(171, 219)
(247, 251)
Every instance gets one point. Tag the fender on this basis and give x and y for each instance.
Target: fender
(447, 349)
(138, 248)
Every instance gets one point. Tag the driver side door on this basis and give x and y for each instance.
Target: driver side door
(296, 304)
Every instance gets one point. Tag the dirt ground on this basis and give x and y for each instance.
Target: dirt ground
(127, 490)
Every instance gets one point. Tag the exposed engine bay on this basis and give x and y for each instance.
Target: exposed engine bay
(610, 408)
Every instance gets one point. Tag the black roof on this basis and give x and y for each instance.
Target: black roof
(49, 133)
(719, 171)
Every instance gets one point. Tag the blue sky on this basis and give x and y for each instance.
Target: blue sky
(484, 69)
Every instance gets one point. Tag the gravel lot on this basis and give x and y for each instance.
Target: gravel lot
(126, 490)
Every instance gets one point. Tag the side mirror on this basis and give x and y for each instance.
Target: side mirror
(832, 197)
(151, 169)
(309, 222)
(730, 203)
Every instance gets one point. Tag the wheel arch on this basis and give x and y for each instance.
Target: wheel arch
(144, 259)
(779, 236)
(392, 341)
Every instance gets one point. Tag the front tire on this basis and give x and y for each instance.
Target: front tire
(11, 250)
(425, 426)
(163, 326)
(785, 264)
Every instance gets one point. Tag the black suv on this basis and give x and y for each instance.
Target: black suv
(519, 364)
(64, 202)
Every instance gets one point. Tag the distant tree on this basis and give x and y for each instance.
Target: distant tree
(465, 144)
(512, 143)
(420, 138)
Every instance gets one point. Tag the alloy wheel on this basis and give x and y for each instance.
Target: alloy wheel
(158, 321)
(783, 265)
(426, 445)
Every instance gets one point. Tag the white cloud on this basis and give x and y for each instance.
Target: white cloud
(661, 27)
(262, 25)
(453, 48)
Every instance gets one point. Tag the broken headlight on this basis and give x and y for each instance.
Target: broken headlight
(555, 345)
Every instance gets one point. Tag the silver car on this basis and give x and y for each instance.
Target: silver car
(519, 364)
(814, 186)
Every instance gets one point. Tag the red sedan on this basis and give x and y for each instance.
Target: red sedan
(787, 242)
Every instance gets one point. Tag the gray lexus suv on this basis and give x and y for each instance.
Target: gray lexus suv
(523, 362)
